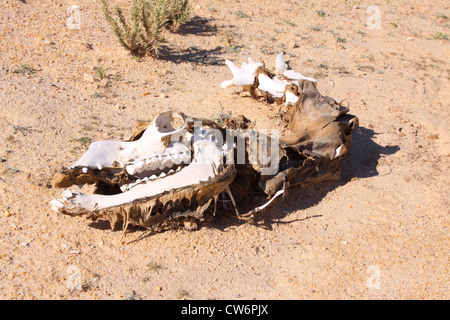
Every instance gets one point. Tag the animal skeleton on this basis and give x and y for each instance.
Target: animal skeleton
(173, 172)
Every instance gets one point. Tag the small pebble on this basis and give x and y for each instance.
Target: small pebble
(88, 77)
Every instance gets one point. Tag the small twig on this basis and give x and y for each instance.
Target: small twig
(82, 42)
(125, 226)
(232, 200)
(409, 76)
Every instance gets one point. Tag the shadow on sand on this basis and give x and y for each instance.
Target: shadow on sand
(198, 26)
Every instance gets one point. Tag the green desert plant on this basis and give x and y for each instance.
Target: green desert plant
(222, 116)
(440, 35)
(25, 69)
(141, 33)
(179, 13)
(100, 72)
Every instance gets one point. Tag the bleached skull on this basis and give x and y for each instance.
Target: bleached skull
(168, 172)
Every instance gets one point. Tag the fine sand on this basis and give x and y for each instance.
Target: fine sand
(380, 232)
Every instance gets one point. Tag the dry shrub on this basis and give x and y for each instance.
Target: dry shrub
(141, 33)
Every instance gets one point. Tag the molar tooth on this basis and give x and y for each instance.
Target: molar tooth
(139, 163)
(153, 176)
(171, 171)
(186, 157)
(67, 194)
(178, 169)
(151, 163)
(162, 175)
(177, 158)
(154, 165)
(130, 169)
(168, 163)
(140, 166)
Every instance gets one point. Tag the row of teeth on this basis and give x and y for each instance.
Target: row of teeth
(159, 162)
(154, 162)
(57, 204)
(146, 179)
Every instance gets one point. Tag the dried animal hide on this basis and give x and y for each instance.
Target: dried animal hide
(179, 170)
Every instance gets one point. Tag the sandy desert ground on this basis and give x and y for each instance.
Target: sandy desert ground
(380, 232)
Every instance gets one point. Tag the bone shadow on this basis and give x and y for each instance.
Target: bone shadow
(361, 164)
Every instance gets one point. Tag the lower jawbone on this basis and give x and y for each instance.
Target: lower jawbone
(169, 175)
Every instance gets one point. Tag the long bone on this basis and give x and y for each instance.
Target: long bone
(252, 75)
(245, 75)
